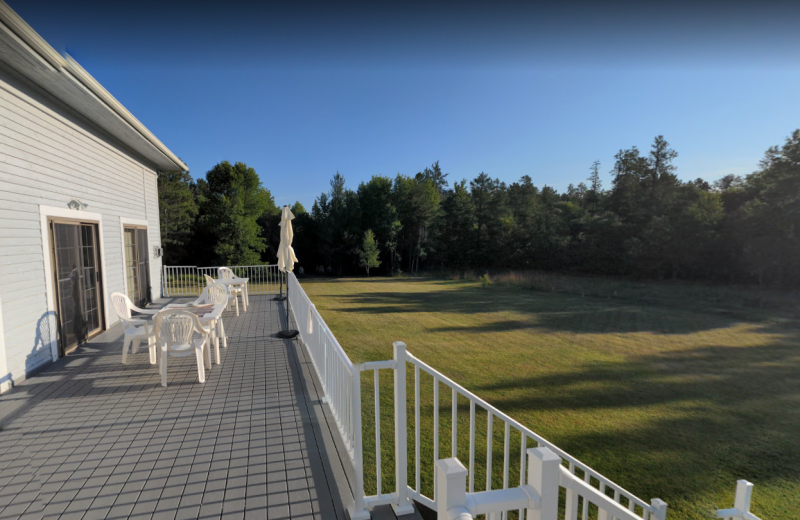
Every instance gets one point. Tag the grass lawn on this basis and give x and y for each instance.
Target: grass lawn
(670, 403)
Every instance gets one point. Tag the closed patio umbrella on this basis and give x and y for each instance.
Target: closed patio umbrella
(286, 260)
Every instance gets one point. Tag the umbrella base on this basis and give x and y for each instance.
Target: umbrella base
(287, 334)
(279, 298)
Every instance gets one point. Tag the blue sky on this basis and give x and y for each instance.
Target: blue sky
(303, 91)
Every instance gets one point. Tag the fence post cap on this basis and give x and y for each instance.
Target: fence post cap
(451, 467)
(398, 344)
(544, 454)
(659, 508)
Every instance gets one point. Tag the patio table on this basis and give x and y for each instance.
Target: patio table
(237, 282)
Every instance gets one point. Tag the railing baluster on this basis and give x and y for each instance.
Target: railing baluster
(489, 436)
(454, 429)
(435, 428)
(571, 510)
(588, 479)
(506, 457)
(416, 427)
(523, 447)
(378, 431)
(471, 446)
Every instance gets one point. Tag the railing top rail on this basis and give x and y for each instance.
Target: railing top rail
(337, 347)
(530, 433)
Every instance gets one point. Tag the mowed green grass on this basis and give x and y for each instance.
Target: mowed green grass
(668, 403)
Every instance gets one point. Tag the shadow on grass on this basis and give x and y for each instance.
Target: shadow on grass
(539, 310)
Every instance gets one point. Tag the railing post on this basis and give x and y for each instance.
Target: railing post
(543, 468)
(359, 512)
(744, 494)
(451, 490)
(659, 509)
(741, 503)
(403, 506)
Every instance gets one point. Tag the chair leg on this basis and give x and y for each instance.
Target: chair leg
(164, 357)
(201, 370)
(213, 337)
(135, 346)
(207, 349)
(151, 345)
(237, 303)
(222, 333)
(216, 340)
(125, 342)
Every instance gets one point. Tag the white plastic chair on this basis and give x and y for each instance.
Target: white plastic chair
(175, 331)
(136, 330)
(227, 272)
(231, 296)
(216, 294)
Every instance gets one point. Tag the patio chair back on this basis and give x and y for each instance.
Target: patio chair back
(226, 272)
(175, 328)
(209, 280)
(120, 303)
(217, 294)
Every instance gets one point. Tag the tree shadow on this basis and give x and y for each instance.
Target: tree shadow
(535, 310)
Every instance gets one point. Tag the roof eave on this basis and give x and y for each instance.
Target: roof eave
(66, 65)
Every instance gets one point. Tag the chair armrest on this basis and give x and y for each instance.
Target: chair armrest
(143, 311)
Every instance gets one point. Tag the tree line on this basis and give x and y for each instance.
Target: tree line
(647, 224)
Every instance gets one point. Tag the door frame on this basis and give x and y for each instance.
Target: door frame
(45, 214)
(135, 223)
(53, 221)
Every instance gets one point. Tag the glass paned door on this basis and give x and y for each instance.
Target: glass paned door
(137, 266)
(77, 277)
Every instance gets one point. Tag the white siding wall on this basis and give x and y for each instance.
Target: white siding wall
(48, 156)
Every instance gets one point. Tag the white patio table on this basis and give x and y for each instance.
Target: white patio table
(237, 282)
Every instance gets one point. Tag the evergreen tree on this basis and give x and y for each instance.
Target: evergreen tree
(177, 210)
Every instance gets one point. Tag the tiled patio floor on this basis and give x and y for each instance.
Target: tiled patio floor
(90, 438)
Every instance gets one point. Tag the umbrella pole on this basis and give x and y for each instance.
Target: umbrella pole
(280, 296)
(287, 332)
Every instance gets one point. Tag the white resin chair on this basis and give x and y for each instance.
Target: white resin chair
(227, 272)
(231, 296)
(216, 294)
(175, 334)
(136, 330)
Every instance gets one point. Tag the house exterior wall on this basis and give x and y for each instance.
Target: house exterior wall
(49, 155)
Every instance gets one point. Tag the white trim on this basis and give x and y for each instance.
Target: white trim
(46, 212)
(133, 222)
(5, 377)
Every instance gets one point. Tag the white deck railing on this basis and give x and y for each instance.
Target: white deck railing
(188, 280)
(543, 469)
